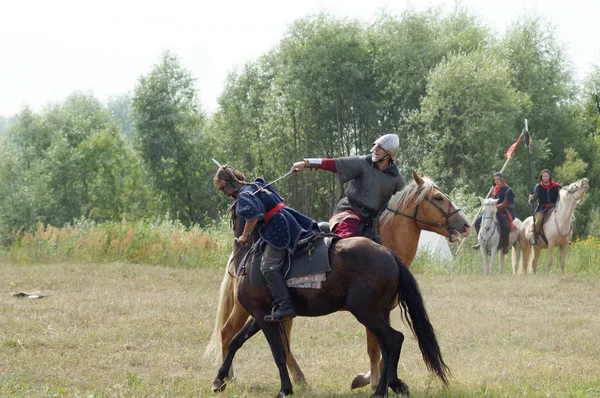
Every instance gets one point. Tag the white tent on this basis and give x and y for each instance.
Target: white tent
(436, 244)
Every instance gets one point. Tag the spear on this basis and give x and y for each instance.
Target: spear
(528, 144)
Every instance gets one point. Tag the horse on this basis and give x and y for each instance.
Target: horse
(401, 234)
(489, 238)
(557, 229)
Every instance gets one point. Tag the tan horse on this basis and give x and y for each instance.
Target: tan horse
(421, 205)
(557, 229)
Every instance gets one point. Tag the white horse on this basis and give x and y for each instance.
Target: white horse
(557, 228)
(489, 238)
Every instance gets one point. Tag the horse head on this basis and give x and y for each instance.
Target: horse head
(429, 207)
(577, 189)
(488, 213)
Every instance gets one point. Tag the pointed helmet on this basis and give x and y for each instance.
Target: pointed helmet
(390, 143)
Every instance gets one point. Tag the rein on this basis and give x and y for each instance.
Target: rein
(413, 217)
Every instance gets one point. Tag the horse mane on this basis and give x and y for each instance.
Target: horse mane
(402, 197)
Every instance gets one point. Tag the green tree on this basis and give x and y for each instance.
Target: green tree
(168, 124)
(471, 115)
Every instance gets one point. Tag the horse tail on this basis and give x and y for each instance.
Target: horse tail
(412, 305)
(224, 308)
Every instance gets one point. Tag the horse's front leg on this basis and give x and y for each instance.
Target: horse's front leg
(292, 365)
(492, 260)
(375, 361)
(249, 330)
(273, 335)
(235, 322)
(484, 254)
(563, 256)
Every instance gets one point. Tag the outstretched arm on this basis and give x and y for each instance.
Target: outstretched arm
(324, 164)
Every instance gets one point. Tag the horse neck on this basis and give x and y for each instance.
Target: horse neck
(401, 235)
(564, 210)
(493, 220)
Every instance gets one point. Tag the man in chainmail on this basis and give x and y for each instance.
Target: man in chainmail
(372, 180)
(280, 227)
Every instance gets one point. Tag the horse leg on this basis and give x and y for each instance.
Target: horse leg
(515, 257)
(492, 260)
(525, 254)
(563, 256)
(273, 332)
(501, 265)
(373, 376)
(249, 330)
(537, 251)
(290, 361)
(232, 326)
(390, 342)
(484, 254)
(549, 259)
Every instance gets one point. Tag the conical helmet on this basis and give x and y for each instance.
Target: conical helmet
(390, 143)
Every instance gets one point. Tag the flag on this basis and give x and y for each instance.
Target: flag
(512, 148)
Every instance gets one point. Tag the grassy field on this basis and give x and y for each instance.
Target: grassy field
(134, 330)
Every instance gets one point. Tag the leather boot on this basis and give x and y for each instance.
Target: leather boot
(283, 309)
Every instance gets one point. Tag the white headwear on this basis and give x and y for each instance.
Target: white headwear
(390, 143)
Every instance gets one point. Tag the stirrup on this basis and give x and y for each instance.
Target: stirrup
(279, 315)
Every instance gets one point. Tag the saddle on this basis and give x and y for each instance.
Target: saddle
(311, 258)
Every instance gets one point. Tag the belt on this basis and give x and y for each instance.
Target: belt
(274, 210)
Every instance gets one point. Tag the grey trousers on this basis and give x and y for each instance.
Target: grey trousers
(272, 259)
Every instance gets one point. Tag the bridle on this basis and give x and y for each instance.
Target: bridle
(494, 229)
(446, 214)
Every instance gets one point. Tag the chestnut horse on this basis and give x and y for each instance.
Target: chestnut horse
(557, 229)
(419, 206)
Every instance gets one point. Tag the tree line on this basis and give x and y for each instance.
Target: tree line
(455, 93)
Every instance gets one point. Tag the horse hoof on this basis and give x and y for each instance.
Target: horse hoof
(359, 381)
(218, 385)
(283, 394)
(400, 388)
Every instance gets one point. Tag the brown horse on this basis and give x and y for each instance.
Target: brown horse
(420, 206)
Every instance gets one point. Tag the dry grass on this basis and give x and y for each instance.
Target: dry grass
(125, 330)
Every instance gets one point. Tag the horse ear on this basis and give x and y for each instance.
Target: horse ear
(481, 199)
(417, 178)
(494, 201)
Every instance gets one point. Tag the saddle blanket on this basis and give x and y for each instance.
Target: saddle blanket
(309, 264)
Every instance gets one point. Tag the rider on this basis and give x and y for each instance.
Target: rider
(505, 215)
(280, 227)
(372, 180)
(547, 194)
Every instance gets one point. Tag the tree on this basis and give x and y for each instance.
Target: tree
(168, 124)
(471, 115)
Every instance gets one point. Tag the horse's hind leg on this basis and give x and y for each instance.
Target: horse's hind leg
(290, 361)
(376, 362)
(249, 330)
(390, 342)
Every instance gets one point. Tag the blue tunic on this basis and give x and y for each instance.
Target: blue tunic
(284, 228)
(506, 194)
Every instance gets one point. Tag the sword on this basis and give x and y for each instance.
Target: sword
(274, 181)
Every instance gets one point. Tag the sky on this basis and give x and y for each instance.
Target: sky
(49, 49)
